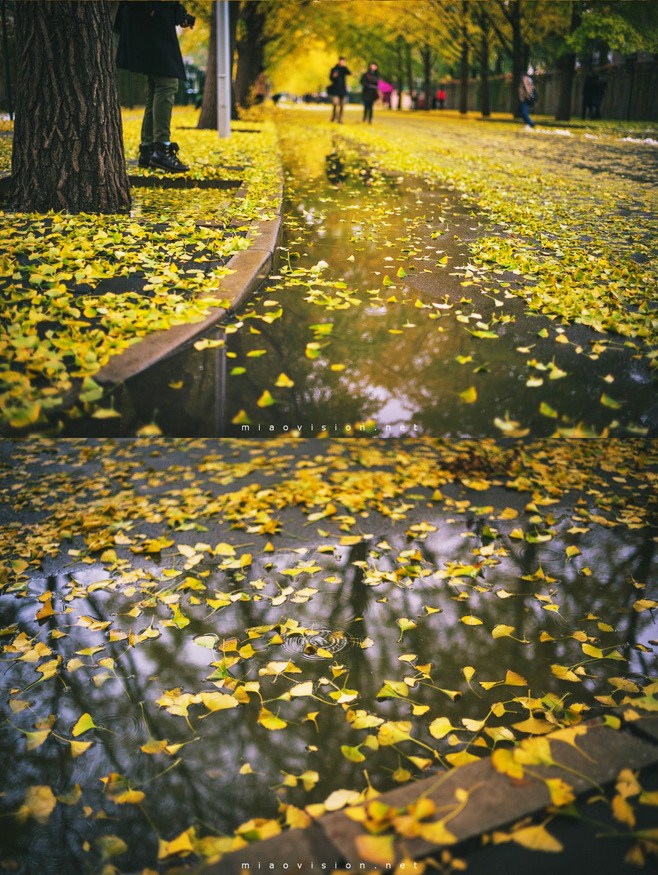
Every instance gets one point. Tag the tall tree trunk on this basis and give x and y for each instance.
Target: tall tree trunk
(518, 67)
(208, 115)
(233, 19)
(426, 55)
(567, 68)
(68, 144)
(463, 66)
(484, 66)
(400, 60)
(251, 50)
(409, 70)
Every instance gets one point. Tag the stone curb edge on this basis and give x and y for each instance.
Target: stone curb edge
(250, 267)
(495, 801)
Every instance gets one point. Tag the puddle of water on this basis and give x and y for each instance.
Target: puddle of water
(271, 631)
(395, 354)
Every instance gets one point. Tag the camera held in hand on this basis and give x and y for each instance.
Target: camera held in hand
(190, 20)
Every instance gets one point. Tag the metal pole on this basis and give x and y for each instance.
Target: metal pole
(223, 70)
(5, 48)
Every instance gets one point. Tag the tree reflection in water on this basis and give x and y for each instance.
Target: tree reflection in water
(201, 781)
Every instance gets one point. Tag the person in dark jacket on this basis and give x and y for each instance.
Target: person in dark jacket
(148, 43)
(338, 88)
(370, 90)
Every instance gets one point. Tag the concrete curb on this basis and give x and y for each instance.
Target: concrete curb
(250, 267)
(495, 800)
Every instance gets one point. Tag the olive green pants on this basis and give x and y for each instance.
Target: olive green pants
(156, 126)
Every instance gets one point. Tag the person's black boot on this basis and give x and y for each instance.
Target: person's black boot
(145, 153)
(165, 157)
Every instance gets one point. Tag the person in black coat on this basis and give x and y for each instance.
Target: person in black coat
(338, 88)
(370, 90)
(148, 43)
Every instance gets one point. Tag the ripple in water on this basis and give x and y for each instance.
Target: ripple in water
(310, 643)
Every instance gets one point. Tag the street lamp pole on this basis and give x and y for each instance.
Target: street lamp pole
(223, 70)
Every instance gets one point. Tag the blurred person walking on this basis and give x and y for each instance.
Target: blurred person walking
(338, 88)
(527, 97)
(370, 90)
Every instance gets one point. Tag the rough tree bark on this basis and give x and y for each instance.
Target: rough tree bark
(251, 50)
(208, 115)
(68, 145)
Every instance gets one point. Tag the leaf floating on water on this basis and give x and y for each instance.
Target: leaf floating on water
(271, 721)
(110, 846)
(607, 401)
(38, 804)
(208, 343)
(79, 747)
(241, 418)
(469, 396)
(394, 732)
(266, 399)
(129, 797)
(284, 382)
(440, 727)
(84, 723)
(471, 621)
(305, 689)
(352, 753)
(501, 631)
(536, 838)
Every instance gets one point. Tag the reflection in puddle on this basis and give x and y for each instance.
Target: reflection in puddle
(310, 645)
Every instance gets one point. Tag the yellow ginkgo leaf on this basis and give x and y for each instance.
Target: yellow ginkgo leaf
(376, 849)
(469, 396)
(266, 399)
(84, 723)
(38, 804)
(284, 382)
(437, 833)
(536, 838)
(79, 747)
(271, 721)
(129, 797)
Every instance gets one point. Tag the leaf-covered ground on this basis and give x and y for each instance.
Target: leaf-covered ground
(575, 208)
(78, 289)
(206, 642)
(439, 276)
(380, 319)
(391, 318)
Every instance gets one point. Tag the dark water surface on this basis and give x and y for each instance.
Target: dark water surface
(230, 768)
